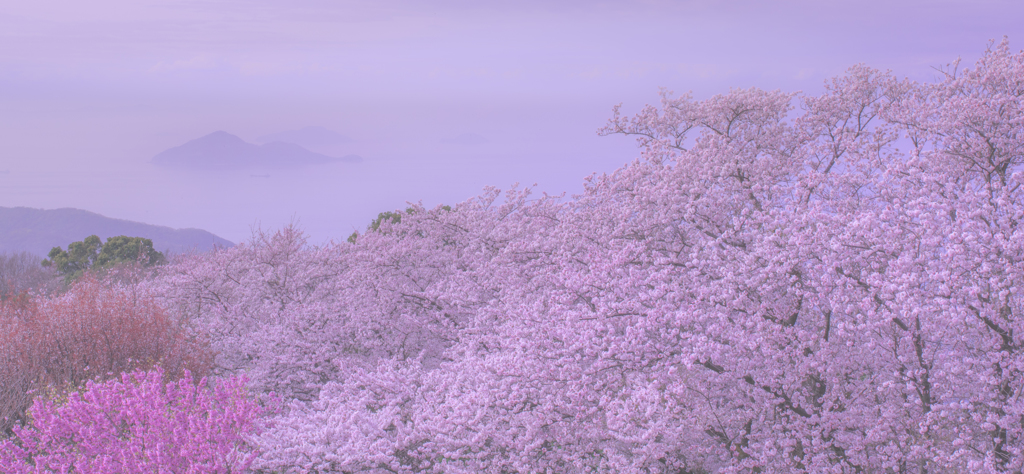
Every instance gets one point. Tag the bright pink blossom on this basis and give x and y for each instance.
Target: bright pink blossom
(138, 424)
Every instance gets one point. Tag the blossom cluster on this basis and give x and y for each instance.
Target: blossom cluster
(137, 424)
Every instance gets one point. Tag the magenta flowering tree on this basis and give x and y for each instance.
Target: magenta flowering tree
(138, 424)
(780, 283)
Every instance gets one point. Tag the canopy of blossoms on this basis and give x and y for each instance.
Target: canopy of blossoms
(779, 283)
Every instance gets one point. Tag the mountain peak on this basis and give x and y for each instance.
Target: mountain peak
(220, 135)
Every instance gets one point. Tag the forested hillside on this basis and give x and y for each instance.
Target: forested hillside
(779, 283)
(37, 231)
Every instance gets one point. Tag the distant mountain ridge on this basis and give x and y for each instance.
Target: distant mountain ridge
(36, 231)
(222, 150)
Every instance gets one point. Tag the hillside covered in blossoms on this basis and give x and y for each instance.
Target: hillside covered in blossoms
(779, 282)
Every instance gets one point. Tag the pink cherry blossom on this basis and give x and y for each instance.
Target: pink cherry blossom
(779, 283)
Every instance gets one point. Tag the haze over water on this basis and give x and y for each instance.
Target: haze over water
(90, 93)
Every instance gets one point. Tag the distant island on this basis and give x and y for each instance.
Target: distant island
(222, 150)
(36, 231)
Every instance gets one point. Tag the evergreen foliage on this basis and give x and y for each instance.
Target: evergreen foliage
(94, 254)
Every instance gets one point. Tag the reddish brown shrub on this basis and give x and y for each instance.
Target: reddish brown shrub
(94, 331)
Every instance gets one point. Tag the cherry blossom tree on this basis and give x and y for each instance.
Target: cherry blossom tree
(779, 283)
(21, 272)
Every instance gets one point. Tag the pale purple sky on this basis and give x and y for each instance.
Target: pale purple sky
(90, 91)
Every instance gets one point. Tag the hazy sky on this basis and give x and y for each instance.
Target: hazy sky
(91, 91)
